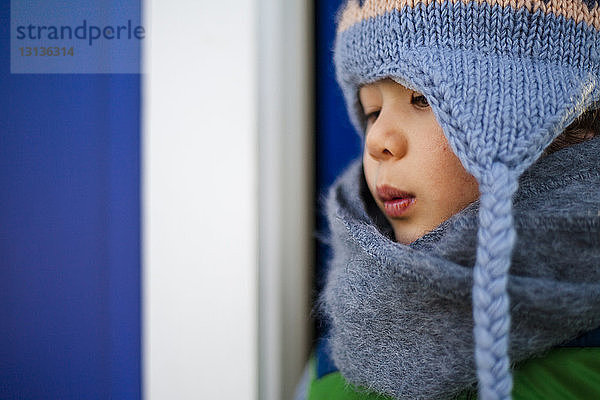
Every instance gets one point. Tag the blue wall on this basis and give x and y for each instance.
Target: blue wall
(336, 141)
(69, 233)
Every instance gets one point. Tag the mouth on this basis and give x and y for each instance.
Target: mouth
(395, 201)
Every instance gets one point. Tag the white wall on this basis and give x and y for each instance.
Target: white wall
(227, 197)
(286, 192)
(200, 206)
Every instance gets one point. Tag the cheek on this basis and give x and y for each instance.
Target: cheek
(370, 172)
(451, 179)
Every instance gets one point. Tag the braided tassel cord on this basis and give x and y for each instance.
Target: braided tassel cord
(496, 237)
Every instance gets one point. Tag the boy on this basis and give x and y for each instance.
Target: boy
(458, 103)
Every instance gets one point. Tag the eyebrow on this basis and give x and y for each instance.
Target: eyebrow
(361, 90)
(360, 101)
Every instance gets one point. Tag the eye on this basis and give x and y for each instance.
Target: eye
(420, 100)
(372, 117)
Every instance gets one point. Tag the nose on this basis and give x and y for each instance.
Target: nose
(386, 139)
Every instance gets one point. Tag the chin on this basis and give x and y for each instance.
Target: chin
(407, 235)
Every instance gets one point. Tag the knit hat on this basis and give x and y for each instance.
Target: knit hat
(503, 78)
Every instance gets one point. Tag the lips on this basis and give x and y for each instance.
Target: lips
(395, 201)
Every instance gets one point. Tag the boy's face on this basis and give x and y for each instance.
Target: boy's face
(406, 151)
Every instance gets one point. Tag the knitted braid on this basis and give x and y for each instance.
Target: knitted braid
(490, 299)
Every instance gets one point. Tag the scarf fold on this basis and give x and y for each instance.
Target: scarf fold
(400, 315)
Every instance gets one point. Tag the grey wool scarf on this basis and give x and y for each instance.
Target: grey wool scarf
(400, 315)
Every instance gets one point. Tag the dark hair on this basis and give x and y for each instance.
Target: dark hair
(585, 127)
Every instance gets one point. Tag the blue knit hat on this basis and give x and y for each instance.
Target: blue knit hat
(503, 78)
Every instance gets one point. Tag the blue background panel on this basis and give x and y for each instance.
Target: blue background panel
(69, 234)
(337, 143)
